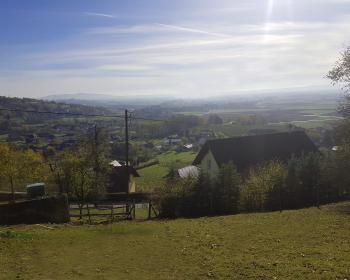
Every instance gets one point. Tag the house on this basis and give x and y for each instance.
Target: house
(119, 179)
(115, 163)
(247, 151)
(188, 146)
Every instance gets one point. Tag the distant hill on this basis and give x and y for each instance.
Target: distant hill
(79, 96)
(45, 105)
(106, 100)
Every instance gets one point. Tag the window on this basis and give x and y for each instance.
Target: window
(209, 164)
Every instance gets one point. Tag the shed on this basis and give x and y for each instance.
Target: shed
(119, 179)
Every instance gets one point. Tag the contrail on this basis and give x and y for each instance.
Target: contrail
(99, 15)
(192, 30)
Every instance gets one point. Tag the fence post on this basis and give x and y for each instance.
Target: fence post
(149, 210)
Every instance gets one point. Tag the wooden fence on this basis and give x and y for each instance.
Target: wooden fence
(114, 206)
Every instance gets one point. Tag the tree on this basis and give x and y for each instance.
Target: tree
(94, 150)
(335, 177)
(308, 171)
(264, 188)
(227, 188)
(340, 75)
(79, 176)
(204, 195)
(9, 168)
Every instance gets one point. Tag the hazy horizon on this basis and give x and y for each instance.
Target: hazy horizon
(182, 49)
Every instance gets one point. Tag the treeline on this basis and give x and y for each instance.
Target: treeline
(310, 180)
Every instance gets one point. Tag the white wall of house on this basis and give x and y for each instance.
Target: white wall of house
(209, 165)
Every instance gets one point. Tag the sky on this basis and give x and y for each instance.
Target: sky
(182, 48)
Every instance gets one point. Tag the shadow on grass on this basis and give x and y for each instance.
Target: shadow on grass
(342, 208)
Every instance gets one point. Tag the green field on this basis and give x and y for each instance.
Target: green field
(302, 244)
(153, 176)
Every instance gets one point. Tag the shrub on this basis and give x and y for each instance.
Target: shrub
(335, 175)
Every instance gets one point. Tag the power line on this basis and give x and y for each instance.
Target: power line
(75, 114)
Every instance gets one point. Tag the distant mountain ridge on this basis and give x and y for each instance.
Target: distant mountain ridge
(31, 104)
(79, 96)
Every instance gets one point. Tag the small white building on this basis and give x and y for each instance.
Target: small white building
(190, 171)
(188, 146)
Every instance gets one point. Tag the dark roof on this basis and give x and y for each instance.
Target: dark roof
(247, 151)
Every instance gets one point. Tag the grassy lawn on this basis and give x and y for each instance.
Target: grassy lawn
(153, 176)
(302, 244)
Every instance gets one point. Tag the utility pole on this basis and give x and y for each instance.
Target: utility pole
(96, 159)
(127, 147)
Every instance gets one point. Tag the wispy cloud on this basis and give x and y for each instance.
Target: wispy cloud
(127, 68)
(186, 56)
(99, 15)
(153, 28)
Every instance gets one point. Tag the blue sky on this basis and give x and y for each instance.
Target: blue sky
(185, 48)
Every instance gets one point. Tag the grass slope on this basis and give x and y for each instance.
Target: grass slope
(303, 244)
(153, 176)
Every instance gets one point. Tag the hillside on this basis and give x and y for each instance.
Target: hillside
(302, 244)
(38, 131)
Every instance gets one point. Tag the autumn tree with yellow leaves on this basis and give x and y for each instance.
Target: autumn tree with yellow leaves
(19, 168)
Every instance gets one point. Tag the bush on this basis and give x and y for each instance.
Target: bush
(176, 199)
(201, 196)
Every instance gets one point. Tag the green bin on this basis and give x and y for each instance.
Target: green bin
(36, 190)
